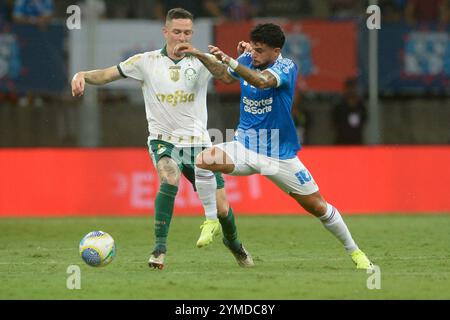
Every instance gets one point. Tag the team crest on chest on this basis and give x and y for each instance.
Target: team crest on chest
(190, 74)
(174, 72)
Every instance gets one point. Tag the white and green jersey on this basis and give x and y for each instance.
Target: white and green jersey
(174, 94)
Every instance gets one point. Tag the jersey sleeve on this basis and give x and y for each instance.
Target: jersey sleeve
(244, 59)
(132, 67)
(283, 70)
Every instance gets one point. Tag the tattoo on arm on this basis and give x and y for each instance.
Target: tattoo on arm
(217, 69)
(258, 79)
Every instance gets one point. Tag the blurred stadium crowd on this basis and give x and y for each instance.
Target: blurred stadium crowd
(393, 10)
(33, 119)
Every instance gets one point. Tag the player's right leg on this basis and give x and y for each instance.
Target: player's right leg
(230, 235)
(217, 160)
(169, 175)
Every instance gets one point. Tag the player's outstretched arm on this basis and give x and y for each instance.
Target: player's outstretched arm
(217, 69)
(260, 80)
(95, 77)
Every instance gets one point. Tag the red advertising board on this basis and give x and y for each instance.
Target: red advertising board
(61, 182)
(326, 51)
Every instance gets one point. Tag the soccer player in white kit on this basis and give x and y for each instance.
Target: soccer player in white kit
(175, 88)
(266, 141)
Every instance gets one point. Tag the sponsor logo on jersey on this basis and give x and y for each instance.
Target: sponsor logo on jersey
(180, 96)
(257, 106)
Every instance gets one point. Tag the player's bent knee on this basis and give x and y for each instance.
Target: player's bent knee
(174, 181)
(172, 178)
(200, 160)
(319, 205)
(313, 204)
(215, 160)
(318, 209)
(168, 171)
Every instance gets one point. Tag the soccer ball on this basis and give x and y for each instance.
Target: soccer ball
(97, 249)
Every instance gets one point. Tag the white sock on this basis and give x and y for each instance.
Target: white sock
(333, 222)
(206, 184)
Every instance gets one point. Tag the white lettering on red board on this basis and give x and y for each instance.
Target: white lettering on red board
(141, 187)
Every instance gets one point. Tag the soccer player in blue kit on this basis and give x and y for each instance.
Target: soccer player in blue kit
(266, 141)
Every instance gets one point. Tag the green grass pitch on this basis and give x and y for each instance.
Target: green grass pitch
(296, 258)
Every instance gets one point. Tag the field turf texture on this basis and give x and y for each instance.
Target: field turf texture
(296, 258)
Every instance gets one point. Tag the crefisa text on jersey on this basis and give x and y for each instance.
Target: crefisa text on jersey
(223, 309)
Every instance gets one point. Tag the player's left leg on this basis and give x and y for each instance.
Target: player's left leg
(294, 178)
(205, 183)
(167, 162)
(217, 160)
(169, 175)
(334, 223)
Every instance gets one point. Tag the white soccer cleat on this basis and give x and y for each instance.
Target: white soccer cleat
(156, 260)
(242, 256)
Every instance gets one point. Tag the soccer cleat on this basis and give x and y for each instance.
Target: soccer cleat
(361, 260)
(243, 257)
(210, 229)
(156, 260)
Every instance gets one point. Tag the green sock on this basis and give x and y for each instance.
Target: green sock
(229, 231)
(164, 204)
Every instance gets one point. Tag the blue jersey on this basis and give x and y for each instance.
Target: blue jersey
(33, 8)
(266, 125)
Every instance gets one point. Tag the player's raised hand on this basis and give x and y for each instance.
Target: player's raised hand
(219, 54)
(243, 47)
(182, 48)
(78, 84)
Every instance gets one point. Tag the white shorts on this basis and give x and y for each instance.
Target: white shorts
(290, 175)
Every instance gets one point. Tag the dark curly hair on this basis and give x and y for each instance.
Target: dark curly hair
(269, 34)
